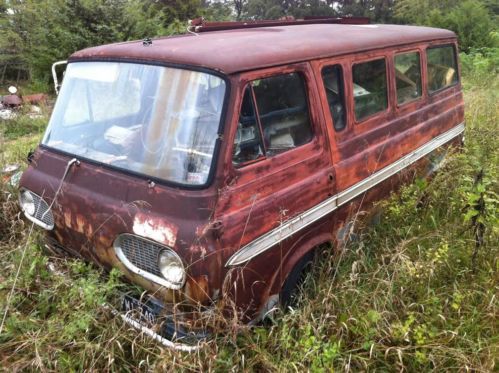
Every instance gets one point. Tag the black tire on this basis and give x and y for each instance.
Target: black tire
(289, 292)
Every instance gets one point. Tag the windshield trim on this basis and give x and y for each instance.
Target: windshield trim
(220, 131)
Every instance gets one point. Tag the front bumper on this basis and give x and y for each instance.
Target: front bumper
(152, 318)
(148, 312)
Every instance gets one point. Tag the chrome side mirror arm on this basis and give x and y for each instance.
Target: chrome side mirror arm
(54, 75)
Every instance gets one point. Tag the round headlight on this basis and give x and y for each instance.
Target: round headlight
(171, 268)
(27, 203)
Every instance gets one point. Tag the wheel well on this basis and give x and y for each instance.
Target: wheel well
(295, 278)
(299, 251)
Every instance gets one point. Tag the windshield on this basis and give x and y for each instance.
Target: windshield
(158, 121)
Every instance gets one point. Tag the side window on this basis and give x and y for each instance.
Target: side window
(248, 140)
(333, 82)
(283, 112)
(407, 77)
(369, 88)
(442, 69)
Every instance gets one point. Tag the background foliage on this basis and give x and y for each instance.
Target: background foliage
(36, 33)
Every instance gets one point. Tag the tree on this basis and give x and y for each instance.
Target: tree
(239, 7)
(472, 23)
(177, 10)
(377, 10)
(304, 8)
(35, 33)
(218, 11)
(275, 9)
(40, 32)
(417, 11)
(493, 8)
(469, 19)
(140, 20)
(264, 9)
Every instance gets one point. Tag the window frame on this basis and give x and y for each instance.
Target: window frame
(259, 75)
(217, 152)
(424, 82)
(456, 62)
(384, 56)
(248, 85)
(342, 93)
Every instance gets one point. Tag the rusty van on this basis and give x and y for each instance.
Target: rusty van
(209, 166)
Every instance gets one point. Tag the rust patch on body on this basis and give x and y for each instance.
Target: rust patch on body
(197, 290)
(80, 223)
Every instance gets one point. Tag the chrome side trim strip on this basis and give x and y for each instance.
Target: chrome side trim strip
(133, 268)
(317, 212)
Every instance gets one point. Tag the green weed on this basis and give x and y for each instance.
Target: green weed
(23, 125)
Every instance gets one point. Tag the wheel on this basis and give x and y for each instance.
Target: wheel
(289, 292)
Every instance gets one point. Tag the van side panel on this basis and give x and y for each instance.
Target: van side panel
(358, 152)
(367, 153)
(260, 196)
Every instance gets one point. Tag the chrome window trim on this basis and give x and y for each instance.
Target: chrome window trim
(32, 218)
(133, 268)
(290, 227)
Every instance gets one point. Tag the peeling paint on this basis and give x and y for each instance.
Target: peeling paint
(155, 229)
(80, 223)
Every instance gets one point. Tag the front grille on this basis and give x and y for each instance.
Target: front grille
(141, 253)
(42, 212)
(140, 256)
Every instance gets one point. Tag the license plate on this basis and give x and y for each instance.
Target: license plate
(140, 310)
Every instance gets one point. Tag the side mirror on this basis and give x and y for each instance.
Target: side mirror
(54, 75)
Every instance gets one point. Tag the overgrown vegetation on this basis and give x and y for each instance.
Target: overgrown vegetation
(473, 21)
(23, 126)
(418, 291)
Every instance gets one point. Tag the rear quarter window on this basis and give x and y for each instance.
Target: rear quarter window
(441, 67)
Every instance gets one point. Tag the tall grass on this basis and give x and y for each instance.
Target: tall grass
(418, 291)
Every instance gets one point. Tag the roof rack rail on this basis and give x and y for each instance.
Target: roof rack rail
(200, 24)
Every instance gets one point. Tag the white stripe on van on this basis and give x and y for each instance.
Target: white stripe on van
(290, 227)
